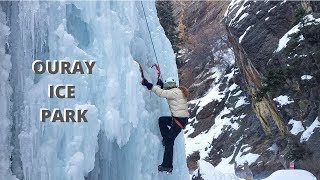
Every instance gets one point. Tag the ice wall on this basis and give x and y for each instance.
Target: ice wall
(121, 139)
(5, 93)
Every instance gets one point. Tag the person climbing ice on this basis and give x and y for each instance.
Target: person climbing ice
(170, 126)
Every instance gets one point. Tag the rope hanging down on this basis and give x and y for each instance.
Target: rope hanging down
(145, 17)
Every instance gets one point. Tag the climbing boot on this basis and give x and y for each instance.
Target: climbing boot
(162, 168)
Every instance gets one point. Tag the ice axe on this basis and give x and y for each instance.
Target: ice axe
(158, 69)
(141, 71)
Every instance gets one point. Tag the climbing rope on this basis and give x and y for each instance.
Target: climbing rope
(145, 17)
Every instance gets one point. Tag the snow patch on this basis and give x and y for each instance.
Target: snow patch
(225, 167)
(301, 38)
(306, 77)
(233, 6)
(272, 9)
(296, 174)
(244, 15)
(283, 2)
(242, 101)
(283, 100)
(285, 39)
(307, 20)
(208, 172)
(250, 158)
(297, 127)
(310, 130)
(202, 142)
(242, 36)
(230, 75)
(233, 87)
(213, 94)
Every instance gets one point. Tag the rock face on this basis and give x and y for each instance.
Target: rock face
(276, 45)
(252, 69)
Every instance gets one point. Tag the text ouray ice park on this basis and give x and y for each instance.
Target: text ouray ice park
(62, 91)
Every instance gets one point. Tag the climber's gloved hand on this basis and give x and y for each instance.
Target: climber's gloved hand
(147, 84)
(160, 83)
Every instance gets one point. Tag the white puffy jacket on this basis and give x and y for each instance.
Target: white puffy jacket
(176, 100)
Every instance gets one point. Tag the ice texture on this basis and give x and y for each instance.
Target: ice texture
(5, 93)
(121, 139)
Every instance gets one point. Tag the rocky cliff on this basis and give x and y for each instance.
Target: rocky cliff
(252, 70)
(276, 45)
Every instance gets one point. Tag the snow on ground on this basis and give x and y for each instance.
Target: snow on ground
(233, 87)
(306, 77)
(203, 141)
(286, 38)
(301, 38)
(272, 9)
(208, 172)
(309, 131)
(213, 94)
(233, 6)
(242, 101)
(283, 100)
(244, 15)
(296, 127)
(308, 20)
(250, 158)
(242, 36)
(283, 2)
(225, 167)
(291, 175)
(237, 93)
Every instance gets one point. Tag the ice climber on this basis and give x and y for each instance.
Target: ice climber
(170, 126)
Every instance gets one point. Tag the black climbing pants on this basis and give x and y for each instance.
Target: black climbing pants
(169, 135)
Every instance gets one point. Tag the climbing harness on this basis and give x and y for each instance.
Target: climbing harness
(177, 122)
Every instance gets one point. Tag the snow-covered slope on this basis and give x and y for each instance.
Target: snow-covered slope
(291, 174)
(121, 139)
(276, 46)
(220, 108)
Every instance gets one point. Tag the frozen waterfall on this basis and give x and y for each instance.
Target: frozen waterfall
(121, 140)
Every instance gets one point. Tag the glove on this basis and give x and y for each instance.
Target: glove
(147, 84)
(160, 83)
